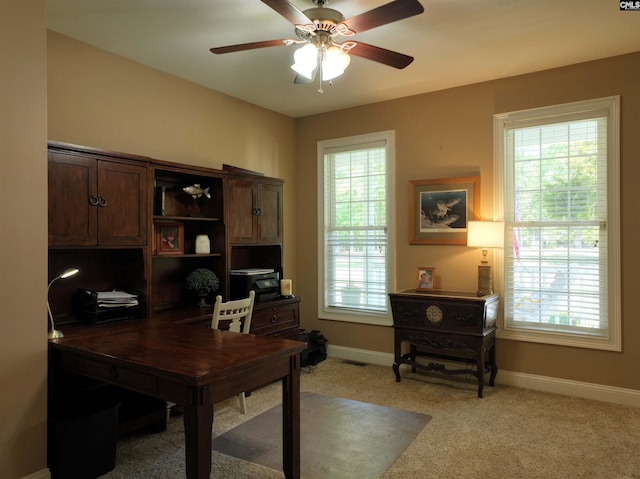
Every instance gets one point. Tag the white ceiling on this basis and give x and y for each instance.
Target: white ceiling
(454, 42)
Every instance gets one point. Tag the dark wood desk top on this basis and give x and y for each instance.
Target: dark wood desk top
(192, 354)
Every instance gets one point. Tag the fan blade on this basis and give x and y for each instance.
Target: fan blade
(381, 55)
(389, 13)
(247, 46)
(288, 11)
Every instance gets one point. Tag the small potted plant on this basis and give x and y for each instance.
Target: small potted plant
(204, 282)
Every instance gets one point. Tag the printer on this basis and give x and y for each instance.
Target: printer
(264, 281)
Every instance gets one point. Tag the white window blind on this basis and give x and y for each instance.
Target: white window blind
(557, 257)
(355, 225)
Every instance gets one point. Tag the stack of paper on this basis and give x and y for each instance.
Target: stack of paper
(116, 299)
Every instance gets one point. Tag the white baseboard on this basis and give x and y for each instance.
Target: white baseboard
(599, 392)
(42, 474)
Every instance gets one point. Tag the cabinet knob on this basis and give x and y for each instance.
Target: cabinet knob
(113, 372)
(102, 201)
(93, 200)
(274, 319)
(259, 211)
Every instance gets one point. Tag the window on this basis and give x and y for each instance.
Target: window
(557, 178)
(355, 191)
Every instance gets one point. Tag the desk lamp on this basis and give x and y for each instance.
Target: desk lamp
(485, 235)
(54, 333)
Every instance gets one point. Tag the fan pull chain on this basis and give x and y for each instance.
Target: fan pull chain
(320, 90)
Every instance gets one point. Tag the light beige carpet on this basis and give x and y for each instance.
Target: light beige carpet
(338, 437)
(512, 433)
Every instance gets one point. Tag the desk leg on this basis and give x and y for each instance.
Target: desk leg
(481, 359)
(198, 424)
(291, 420)
(494, 367)
(397, 355)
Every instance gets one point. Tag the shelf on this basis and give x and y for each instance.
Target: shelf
(160, 218)
(188, 255)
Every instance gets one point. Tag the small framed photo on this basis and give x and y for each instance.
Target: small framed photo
(169, 238)
(426, 278)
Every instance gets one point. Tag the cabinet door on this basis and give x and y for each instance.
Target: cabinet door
(94, 202)
(270, 213)
(72, 182)
(242, 219)
(122, 212)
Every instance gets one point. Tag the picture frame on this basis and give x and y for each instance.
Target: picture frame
(440, 209)
(426, 278)
(169, 238)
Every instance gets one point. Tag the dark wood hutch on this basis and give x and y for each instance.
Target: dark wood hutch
(105, 209)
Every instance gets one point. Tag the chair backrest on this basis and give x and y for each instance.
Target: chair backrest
(237, 313)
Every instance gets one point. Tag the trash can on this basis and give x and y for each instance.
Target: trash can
(82, 439)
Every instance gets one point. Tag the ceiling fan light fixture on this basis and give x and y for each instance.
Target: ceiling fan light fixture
(305, 60)
(320, 30)
(335, 61)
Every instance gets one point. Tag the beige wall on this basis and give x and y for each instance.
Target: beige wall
(449, 134)
(23, 247)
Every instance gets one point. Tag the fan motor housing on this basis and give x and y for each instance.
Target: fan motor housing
(323, 15)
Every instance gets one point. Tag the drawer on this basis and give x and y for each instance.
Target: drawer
(112, 374)
(274, 318)
(293, 334)
(442, 341)
(440, 315)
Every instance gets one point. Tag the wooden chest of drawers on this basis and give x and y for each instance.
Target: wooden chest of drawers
(457, 326)
(279, 318)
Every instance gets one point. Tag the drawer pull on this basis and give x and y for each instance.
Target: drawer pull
(113, 372)
(274, 319)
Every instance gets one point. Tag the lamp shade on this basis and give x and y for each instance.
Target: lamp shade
(485, 234)
(306, 60)
(334, 63)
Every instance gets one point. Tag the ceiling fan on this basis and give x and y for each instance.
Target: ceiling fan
(320, 30)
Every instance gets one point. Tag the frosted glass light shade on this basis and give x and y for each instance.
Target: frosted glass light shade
(306, 60)
(334, 63)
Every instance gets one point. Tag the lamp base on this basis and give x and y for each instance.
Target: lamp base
(485, 285)
(55, 334)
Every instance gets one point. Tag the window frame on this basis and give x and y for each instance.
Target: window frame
(348, 143)
(558, 114)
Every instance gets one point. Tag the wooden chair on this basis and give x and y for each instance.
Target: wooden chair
(235, 316)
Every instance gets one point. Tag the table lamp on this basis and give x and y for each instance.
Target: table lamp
(54, 333)
(485, 235)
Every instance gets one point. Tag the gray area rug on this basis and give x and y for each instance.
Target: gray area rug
(339, 438)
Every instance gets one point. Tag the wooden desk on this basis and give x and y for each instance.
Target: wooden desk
(457, 326)
(191, 366)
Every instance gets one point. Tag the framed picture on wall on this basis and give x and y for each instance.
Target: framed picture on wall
(169, 238)
(426, 278)
(441, 208)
